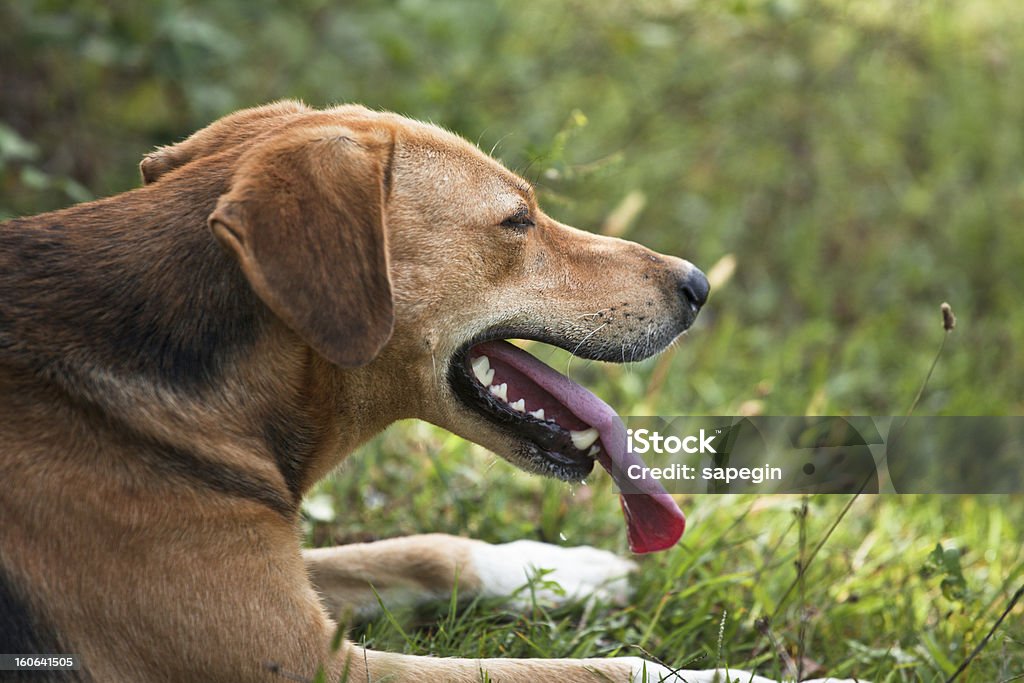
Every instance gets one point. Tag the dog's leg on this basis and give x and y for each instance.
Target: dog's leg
(418, 569)
(415, 569)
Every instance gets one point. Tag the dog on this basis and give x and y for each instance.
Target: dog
(181, 362)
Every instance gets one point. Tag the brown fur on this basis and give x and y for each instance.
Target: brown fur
(179, 363)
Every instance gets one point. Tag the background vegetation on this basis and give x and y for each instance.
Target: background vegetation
(857, 164)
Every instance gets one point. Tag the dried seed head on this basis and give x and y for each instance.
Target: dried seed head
(948, 319)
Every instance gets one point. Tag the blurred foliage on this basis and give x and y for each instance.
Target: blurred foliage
(860, 161)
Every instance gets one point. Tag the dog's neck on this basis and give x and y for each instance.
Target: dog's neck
(129, 308)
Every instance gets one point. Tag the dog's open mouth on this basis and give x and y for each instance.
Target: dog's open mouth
(562, 429)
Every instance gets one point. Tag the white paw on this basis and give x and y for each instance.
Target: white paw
(582, 572)
(649, 672)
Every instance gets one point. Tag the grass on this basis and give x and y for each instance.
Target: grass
(872, 603)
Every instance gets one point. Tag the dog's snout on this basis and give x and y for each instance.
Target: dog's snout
(694, 288)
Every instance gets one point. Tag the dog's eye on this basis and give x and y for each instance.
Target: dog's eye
(520, 220)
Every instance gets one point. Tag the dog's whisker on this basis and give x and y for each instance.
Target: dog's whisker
(592, 315)
(498, 142)
(580, 345)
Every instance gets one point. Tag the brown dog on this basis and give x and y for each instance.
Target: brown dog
(180, 363)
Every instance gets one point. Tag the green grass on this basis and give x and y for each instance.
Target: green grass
(873, 603)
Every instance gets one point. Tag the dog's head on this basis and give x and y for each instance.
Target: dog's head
(401, 252)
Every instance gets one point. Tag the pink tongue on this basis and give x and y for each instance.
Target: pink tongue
(653, 519)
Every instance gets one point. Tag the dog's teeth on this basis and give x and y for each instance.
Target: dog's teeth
(594, 450)
(539, 413)
(501, 391)
(519, 405)
(481, 370)
(584, 439)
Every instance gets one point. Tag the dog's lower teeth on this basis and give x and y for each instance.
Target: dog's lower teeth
(584, 439)
(501, 391)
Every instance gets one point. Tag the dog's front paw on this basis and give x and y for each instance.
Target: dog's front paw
(558, 574)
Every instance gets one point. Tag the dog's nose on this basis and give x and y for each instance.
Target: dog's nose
(694, 288)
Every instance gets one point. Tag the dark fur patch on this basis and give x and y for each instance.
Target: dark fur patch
(194, 469)
(292, 445)
(23, 632)
(126, 290)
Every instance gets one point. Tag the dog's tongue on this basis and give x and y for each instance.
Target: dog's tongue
(653, 519)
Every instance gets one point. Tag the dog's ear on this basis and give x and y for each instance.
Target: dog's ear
(305, 218)
(229, 131)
